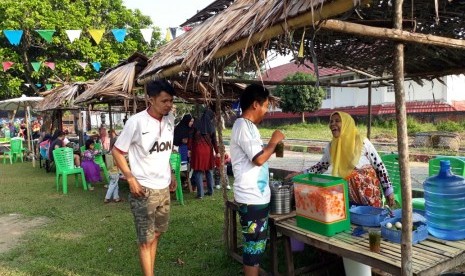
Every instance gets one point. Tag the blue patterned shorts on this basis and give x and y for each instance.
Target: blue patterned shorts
(254, 222)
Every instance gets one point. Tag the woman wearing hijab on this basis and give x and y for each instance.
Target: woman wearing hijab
(356, 160)
(182, 133)
(204, 148)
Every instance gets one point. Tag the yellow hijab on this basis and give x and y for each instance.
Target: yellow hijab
(346, 149)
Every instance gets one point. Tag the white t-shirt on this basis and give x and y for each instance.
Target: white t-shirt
(250, 180)
(149, 143)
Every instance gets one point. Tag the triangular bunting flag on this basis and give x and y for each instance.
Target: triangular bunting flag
(83, 64)
(48, 86)
(7, 65)
(186, 28)
(96, 66)
(147, 34)
(50, 64)
(46, 34)
(119, 34)
(97, 35)
(73, 34)
(27, 84)
(173, 32)
(168, 35)
(13, 36)
(39, 85)
(36, 65)
(301, 48)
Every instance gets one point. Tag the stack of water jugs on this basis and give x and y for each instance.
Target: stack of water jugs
(445, 204)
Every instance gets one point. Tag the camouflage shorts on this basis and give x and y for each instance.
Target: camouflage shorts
(151, 213)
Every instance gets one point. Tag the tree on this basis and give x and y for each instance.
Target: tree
(299, 98)
(62, 15)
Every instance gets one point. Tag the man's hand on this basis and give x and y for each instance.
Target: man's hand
(291, 175)
(135, 188)
(173, 184)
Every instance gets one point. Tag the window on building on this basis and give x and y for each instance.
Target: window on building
(327, 93)
(343, 79)
(390, 89)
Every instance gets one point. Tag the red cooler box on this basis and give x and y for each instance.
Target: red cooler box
(322, 203)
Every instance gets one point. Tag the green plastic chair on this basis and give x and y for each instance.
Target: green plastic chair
(98, 159)
(16, 150)
(64, 163)
(457, 166)
(391, 162)
(175, 161)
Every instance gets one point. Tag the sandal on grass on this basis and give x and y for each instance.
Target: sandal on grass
(106, 201)
(117, 200)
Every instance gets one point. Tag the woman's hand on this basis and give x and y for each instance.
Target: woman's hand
(291, 175)
(391, 201)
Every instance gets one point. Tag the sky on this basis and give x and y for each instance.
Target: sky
(172, 13)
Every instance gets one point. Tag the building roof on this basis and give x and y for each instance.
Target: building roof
(278, 73)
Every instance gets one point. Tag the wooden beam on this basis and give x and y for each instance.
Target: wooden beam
(391, 34)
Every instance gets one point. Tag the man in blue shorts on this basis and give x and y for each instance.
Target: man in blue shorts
(147, 138)
(249, 161)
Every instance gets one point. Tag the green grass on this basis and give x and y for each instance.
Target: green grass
(86, 237)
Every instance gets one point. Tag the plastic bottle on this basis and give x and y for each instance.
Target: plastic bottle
(445, 204)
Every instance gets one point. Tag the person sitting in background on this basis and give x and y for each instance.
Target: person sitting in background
(35, 130)
(58, 141)
(356, 160)
(91, 169)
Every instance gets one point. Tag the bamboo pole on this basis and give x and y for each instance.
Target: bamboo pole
(369, 111)
(402, 145)
(391, 34)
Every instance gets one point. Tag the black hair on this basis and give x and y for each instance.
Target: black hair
(154, 88)
(57, 134)
(89, 142)
(252, 93)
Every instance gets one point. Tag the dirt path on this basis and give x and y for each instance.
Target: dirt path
(14, 226)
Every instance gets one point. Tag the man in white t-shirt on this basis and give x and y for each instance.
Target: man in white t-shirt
(249, 161)
(147, 138)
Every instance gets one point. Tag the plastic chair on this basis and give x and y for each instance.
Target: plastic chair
(98, 159)
(16, 150)
(457, 166)
(64, 162)
(391, 162)
(175, 161)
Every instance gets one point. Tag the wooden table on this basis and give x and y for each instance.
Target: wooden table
(429, 257)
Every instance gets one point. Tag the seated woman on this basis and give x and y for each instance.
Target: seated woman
(58, 141)
(356, 160)
(91, 169)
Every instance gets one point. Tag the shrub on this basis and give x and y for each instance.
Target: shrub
(450, 126)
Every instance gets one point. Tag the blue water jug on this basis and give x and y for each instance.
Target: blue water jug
(445, 204)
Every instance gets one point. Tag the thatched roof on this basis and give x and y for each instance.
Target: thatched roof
(193, 91)
(247, 29)
(62, 97)
(117, 84)
(207, 12)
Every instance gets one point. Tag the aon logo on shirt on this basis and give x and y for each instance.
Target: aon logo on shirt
(160, 146)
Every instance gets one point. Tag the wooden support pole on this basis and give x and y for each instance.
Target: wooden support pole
(402, 145)
(391, 34)
(369, 111)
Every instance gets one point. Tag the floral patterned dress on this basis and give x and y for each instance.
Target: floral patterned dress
(366, 180)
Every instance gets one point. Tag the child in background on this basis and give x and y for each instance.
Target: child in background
(91, 169)
(113, 188)
(216, 172)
